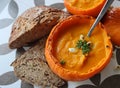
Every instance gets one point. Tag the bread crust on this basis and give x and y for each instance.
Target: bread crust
(32, 67)
(33, 24)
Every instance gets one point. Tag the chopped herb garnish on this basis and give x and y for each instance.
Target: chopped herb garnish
(79, 44)
(84, 45)
(62, 62)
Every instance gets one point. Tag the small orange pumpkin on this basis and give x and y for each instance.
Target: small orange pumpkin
(111, 22)
(66, 60)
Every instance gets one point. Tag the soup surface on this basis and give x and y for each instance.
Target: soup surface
(70, 56)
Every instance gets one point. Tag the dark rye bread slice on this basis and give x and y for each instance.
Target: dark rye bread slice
(30, 68)
(33, 24)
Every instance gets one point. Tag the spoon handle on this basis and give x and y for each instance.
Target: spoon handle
(101, 14)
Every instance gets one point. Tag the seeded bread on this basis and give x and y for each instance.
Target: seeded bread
(34, 24)
(30, 67)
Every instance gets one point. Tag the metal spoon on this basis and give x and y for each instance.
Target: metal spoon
(101, 14)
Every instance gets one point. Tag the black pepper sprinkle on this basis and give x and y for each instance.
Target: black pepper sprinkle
(107, 46)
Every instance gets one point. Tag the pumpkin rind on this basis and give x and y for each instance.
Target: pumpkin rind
(111, 22)
(92, 10)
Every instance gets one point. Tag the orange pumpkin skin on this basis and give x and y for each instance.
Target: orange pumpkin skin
(54, 63)
(92, 11)
(111, 22)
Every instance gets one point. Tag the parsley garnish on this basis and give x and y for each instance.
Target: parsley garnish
(62, 62)
(84, 45)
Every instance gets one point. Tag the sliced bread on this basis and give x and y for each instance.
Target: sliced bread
(30, 67)
(33, 24)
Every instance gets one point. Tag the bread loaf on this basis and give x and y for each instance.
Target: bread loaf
(34, 24)
(30, 67)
